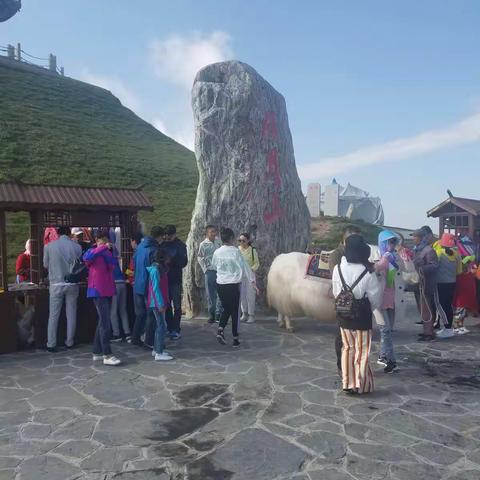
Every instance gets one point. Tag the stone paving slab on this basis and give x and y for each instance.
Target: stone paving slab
(270, 410)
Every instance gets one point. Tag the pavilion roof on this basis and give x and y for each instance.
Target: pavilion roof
(23, 196)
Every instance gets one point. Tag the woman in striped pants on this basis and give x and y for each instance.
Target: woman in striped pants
(355, 274)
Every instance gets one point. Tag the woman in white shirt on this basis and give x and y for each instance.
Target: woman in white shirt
(231, 269)
(355, 273)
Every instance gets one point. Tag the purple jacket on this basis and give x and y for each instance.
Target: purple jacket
(100, 263)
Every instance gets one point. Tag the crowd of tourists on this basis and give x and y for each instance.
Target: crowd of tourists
(365, 291)
(447, 286)
(154, 275)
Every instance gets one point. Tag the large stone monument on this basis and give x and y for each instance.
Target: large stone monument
(248, 178)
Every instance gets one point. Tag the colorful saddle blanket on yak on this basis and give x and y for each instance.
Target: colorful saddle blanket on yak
(317, 266)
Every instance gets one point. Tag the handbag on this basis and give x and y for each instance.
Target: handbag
(78, 272)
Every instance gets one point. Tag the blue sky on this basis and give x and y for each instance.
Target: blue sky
(357, 77)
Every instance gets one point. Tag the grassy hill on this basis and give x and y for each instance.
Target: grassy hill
(59, 130)
(328, 231)
(62, 131)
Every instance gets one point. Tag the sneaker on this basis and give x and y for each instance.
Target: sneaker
(146, 345)
(390, 367)
(116, 339)
(211, 319)
(244, 317)
(221, 337)
(426, 338)
(69, 347)
(96, 358)
(163, 357)
(175, 336)
(463, 330)
(382, 361)
(251, 319)
(236, 342)
(111, 360)
(52, 349)
(153, 352)
(445, 333)
(128, 338)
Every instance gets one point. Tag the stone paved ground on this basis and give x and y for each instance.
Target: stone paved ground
(270, 410)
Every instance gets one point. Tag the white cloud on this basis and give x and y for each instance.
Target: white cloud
(178, 58)
(460, 133)
(127, 96)
(184, 135)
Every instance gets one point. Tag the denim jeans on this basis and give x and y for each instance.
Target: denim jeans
(386, 341)
(144, 321)
(101, 342)
(159, 345)
(173, 314)
(119, 308)
(214, 305)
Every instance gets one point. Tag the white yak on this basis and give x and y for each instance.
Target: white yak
(293, 294)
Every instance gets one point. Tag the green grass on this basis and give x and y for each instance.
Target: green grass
(61, 131)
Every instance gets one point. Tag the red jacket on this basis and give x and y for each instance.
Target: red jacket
(22, 267)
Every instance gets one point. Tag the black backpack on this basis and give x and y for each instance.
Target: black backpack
(346, 305)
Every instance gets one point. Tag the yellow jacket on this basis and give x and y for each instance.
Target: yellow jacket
(251, 256)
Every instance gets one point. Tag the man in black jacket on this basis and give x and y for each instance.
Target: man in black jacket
(176, 251)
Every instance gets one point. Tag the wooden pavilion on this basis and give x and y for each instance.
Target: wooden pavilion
(55, 206)
(459, 216)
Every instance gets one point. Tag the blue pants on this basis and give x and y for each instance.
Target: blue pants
(173, 314)
(159, 345)
(386, 342)
(214, 304)
(101, 342)
(144, 321)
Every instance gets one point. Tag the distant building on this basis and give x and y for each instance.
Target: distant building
(350, 202)
(313, 199)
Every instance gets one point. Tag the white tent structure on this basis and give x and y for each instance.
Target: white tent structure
(352, 202)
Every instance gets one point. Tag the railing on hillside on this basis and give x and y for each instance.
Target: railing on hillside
(20, 55)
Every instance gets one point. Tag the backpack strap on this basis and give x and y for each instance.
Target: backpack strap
(357, 281)
(344, 283)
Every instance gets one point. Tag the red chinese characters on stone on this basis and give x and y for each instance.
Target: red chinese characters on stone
(272, 172)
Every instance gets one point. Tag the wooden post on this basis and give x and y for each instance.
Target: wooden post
(19, 52)
(3, 253)
(36, 236)
(11, 51)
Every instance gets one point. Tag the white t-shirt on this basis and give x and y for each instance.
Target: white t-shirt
(231, 266)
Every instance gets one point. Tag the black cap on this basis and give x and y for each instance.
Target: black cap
(170, 229)
(356, 249)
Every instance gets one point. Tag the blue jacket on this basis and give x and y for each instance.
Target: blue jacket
(176, 251)
(143, 258)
